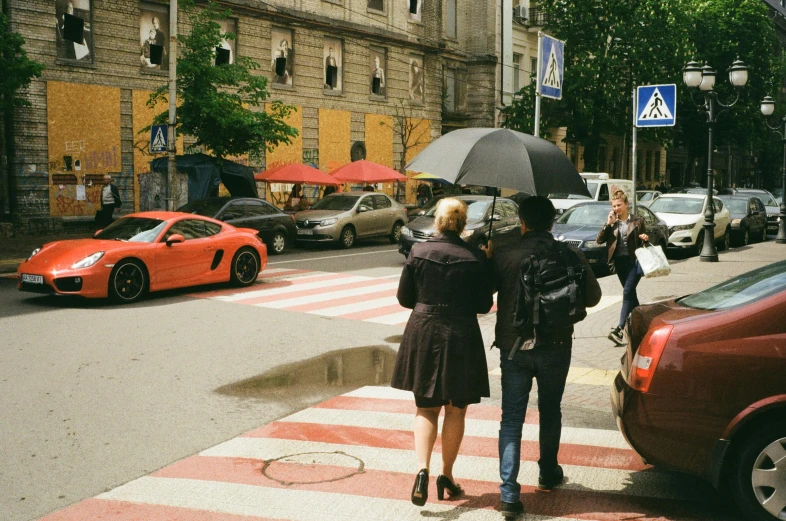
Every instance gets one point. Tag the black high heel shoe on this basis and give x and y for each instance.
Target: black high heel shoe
(443, 482)
(420, 488)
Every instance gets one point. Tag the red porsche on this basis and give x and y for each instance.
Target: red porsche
(143, 252)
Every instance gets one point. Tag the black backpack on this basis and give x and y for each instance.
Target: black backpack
(550, 293)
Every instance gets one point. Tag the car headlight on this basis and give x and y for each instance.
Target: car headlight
(328, 222)
(592, 244)
(35, 252)
(406, 231)
(466, 234)
(681, 227)
(736, 222)
(88, 261)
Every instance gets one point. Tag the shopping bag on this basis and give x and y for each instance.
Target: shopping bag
(653, 261)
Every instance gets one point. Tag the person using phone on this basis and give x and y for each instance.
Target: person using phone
(624, 233)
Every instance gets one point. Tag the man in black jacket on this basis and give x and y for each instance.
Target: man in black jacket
(548, 361)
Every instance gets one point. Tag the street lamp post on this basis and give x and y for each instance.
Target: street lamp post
(767, 108)
(703, 78)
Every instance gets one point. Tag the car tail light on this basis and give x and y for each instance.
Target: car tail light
(647, 357)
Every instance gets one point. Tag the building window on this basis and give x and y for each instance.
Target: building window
(414, 10)
(451, 20)
(333, 54)
(516, 72)
(450, 90)
(74, 31)
(376, 5)
(377, 69)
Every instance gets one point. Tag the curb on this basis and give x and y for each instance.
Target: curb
(10, 265)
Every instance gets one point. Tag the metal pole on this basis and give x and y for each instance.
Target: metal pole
(171, 170)
(633, 143)
(708, 251)
(537, 88)
(781, 237)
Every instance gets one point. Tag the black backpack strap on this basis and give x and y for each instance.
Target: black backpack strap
(533, 260)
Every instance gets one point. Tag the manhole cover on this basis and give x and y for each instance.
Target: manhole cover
(308, 468)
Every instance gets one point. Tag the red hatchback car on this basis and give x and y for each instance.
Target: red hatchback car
(702, 387)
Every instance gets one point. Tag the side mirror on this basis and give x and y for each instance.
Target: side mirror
(97, 232)
(228, 217)
(174, 239)
(422, 212)
(362, 209)
(496, 217)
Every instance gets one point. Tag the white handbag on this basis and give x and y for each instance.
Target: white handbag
(653, 261)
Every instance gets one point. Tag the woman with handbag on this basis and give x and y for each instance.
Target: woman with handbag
(442, 358)
(624, 233)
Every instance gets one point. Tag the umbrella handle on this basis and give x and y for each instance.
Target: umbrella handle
(491, 221)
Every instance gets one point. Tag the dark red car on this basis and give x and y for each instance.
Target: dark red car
(702, 387)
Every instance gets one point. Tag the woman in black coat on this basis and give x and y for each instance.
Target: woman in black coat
(442, 359)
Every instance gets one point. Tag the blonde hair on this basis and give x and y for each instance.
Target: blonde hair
(451, 215)
(616, 193)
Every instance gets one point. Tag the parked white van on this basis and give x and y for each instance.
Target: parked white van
(600, 187)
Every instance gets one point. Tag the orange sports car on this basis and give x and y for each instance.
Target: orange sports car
(148, 251)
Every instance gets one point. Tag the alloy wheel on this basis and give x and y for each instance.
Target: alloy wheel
(279, 242)
(129, 282)
(746, 237)
(768, 478)
(347, 237)
(246, 267)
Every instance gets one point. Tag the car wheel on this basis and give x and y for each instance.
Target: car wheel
(395, 234)
(244, 268)
(759, 477)
(279, 243)
(746, 237)
(726, 239)
(127, 282)
(347, 237)
(764, 234)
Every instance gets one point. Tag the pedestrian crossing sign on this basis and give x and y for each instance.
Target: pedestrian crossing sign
(158, 139)
(656, 105)
(550, 66)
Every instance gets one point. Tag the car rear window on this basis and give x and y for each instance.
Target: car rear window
(204, 207)
(741, 290)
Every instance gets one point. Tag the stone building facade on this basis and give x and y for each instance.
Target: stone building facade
(438, 61)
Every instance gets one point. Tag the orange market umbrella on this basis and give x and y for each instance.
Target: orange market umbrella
(366, 172)
(296, 173)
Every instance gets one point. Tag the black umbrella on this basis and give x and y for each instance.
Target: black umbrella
(500, 158)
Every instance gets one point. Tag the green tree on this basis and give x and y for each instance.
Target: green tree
(216, 101)
(16, 73)
(610, 46)
(724, 31)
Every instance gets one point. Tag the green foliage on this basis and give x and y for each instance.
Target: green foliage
(520, 114)
(17, 69)
(215, 102)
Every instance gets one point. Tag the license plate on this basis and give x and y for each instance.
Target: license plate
(305, 232)
(32, 279)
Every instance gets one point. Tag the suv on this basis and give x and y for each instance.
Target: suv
(347, 216)
(770, 204)
(684, 213)
(600, 188)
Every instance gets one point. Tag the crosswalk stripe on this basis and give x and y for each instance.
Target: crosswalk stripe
(346, 309)
(392, 319)
(296, 286)
(360, 289)
(481, 428)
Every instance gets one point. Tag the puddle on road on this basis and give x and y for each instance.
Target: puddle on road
(337, 370)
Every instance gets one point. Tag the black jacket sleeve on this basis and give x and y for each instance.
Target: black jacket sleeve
(407, 293)
(116, 194)
(591, 288)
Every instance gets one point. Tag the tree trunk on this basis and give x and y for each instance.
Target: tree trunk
(3, 169)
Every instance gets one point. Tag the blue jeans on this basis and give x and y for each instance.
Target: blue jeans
(629, 273)
(549, 367)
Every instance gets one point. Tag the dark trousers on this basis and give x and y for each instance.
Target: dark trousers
(104, 215)
(629, 273)
(549, 367)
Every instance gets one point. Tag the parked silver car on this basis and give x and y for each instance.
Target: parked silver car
(348, 216)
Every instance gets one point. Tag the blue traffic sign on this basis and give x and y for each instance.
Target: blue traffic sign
(550, 66)
(158, 139)
(656, 105)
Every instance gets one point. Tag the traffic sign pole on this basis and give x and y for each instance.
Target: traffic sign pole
(537, 88)
(634, 137)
